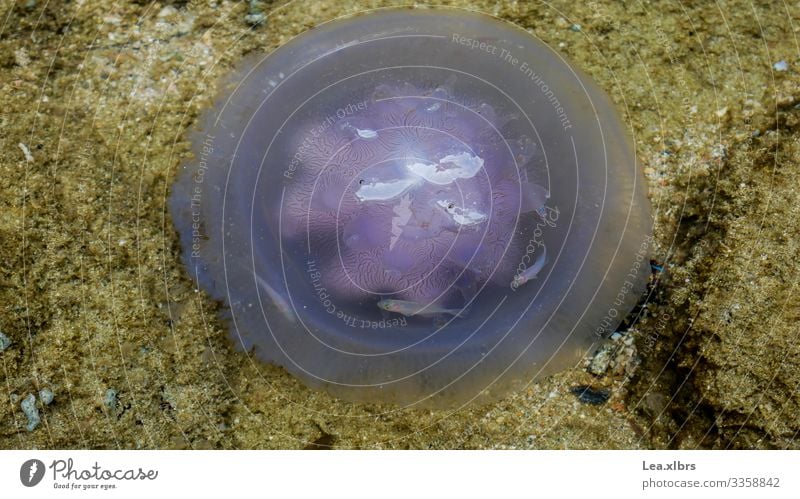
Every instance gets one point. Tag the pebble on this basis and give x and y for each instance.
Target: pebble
(255, 19)
(601, 360)
(46, 395)
(5, 342)
(589, 395)
(655, 403)
(28, 406)
(110, 399)
(254, 15)
(780, 66)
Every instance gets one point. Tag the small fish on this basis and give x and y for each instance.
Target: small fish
(531, 272)
(279, 301)
(411, 308)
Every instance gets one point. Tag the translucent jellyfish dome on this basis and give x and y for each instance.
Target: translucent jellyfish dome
(414, 206)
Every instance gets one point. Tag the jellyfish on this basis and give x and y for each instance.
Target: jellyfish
(407, 216)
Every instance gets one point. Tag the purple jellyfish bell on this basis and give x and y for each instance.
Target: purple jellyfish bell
(415, 206)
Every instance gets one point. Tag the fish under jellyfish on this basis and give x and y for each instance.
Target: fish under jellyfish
(415, 206)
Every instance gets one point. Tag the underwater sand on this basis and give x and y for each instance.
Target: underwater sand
(97, 98)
